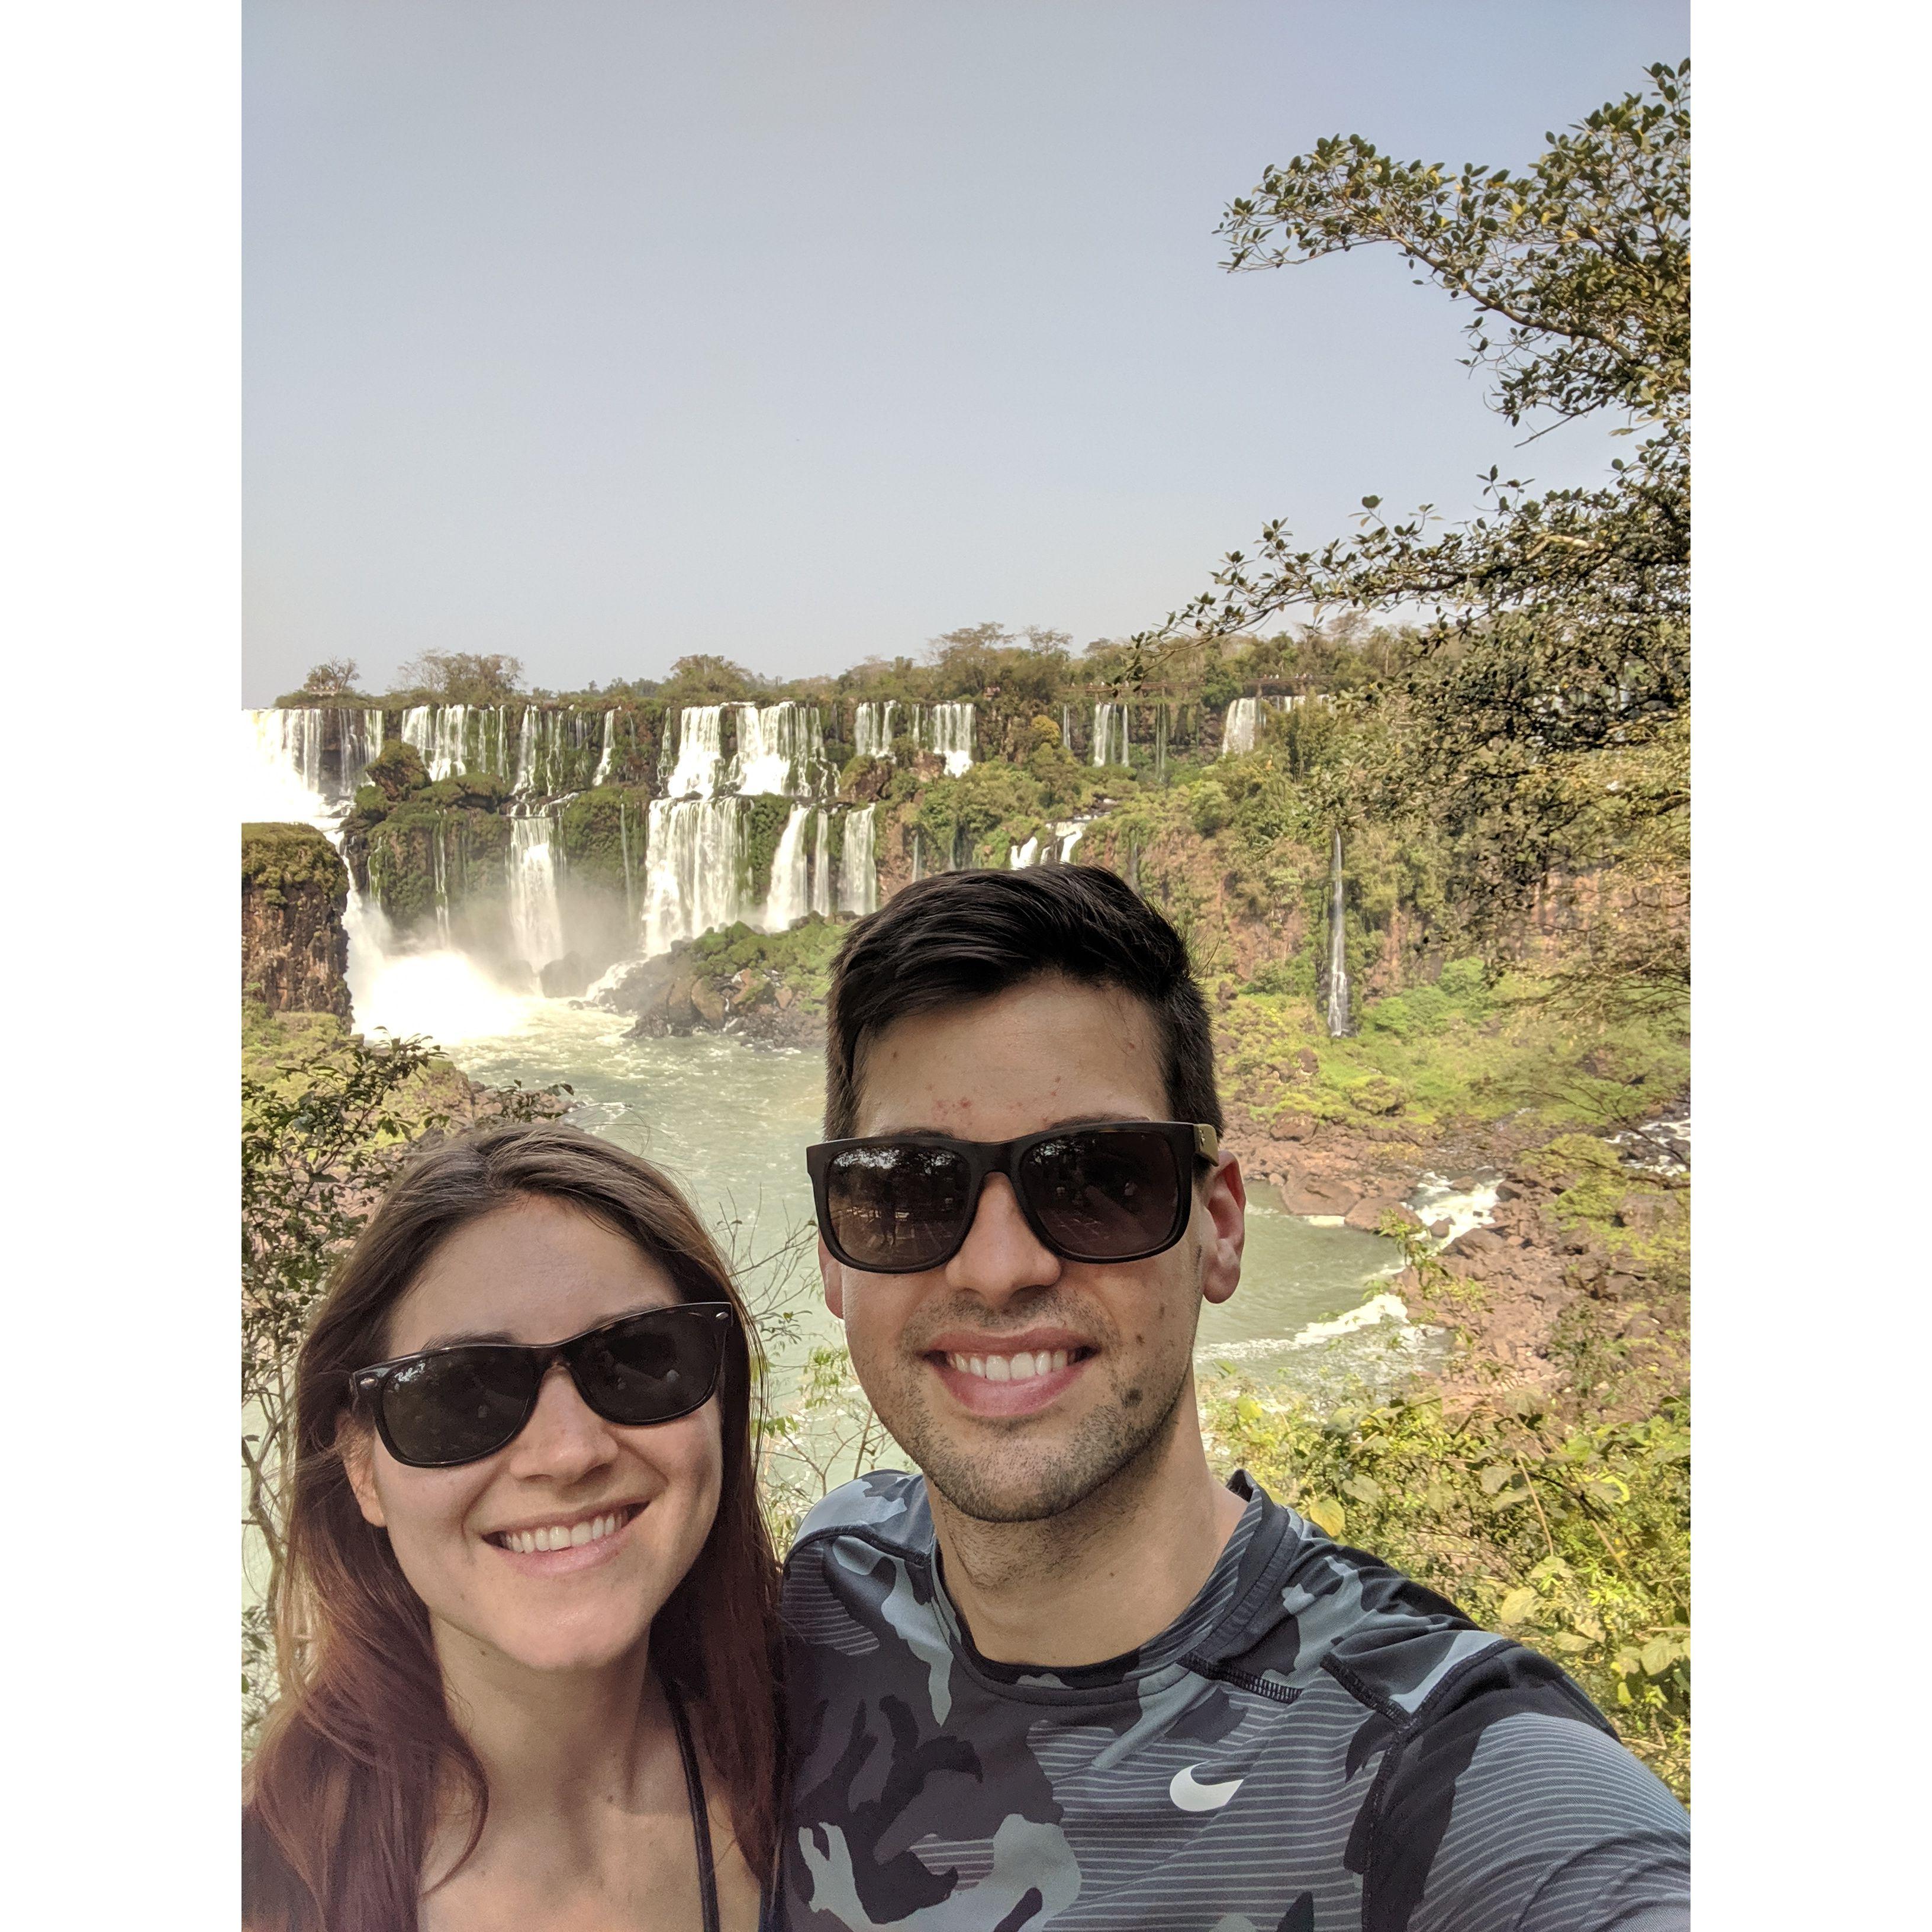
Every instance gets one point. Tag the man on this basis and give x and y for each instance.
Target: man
(1063, 1677)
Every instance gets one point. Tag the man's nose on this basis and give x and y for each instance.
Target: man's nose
(565, 1439)
(1001, 1254)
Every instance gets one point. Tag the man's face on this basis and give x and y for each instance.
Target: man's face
(951, 1359)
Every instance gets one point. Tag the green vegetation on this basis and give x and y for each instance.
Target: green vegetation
(278, 858)
(800, 958)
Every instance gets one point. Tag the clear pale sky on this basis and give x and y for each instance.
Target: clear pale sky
(599, 331)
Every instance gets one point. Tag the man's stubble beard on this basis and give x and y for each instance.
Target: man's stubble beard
(1009, 1479)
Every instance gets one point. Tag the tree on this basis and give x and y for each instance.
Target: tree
(464, 677)
(334, 677)
(1540, 714)
(706, 679)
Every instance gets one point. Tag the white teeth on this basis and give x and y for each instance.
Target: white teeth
(1019, 1368)
(563, 1536)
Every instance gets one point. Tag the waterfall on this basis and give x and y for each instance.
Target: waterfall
(288, 775)
(790, 896)
(821, 864)
(952, 736)
(874, 727)
(1027, 854)
(358, 735)
(858, 868)
(1338, 950)
(624, 847)
(696, 857)
(1110, 734)
(440, 732)
(442, 864)
(536, 921)
(609, 746)
(1239, 726)
(700, 753)
(281, 767)
(1066, 726)
(918, 854)
(781, 752)
(1069, 836)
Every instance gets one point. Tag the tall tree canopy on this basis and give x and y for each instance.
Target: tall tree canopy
(1541, 716)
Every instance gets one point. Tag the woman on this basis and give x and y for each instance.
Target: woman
(531, 1600)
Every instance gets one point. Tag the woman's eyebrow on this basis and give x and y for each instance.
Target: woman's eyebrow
(457, 1338)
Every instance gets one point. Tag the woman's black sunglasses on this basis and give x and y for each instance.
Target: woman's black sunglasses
(457, 1405)
(1112, 1191)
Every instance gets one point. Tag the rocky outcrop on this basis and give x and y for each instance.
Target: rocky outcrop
(295, 951)
(685, 991)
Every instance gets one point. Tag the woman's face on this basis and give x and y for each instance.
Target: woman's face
(538, 1271)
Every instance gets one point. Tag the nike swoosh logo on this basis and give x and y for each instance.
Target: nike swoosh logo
(1193, 1797)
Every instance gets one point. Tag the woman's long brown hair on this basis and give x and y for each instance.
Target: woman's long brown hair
(344, 1790)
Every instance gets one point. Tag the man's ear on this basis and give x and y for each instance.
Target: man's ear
(833, 1277)
(355, 1444)
(1224, 1200)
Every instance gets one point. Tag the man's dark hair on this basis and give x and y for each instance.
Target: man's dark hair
(958, 937)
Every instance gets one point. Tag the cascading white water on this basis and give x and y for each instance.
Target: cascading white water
(874, 727)
(442, 861)
(536, 920)
(1066, 726)
(1110, 734)
(1338, 949)
(700, 753)
(1069, 836)
(609, 747)
(1238, 726)
(790, 898)
(951, 727)
(858, 866)
(287, 774)
(821, 864)
(1026, 854)
(695, 861)
(781, 752)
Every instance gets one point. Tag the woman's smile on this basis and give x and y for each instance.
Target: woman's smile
(556, 1545)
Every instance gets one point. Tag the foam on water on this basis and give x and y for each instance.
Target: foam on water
(1436, 1199)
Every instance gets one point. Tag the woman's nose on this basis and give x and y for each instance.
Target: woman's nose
(1001, 1254)
(565, 1437)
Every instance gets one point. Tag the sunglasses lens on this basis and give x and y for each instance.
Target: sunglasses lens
(1103, 1197)
(897, 1208)
(456, 1406)
(652, 1368)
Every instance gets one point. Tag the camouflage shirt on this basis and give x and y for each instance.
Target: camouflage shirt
(1316, 1743)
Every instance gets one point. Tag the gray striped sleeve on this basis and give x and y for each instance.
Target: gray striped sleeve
(1528, 1821)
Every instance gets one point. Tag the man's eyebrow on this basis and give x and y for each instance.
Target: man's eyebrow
(1091, 1116)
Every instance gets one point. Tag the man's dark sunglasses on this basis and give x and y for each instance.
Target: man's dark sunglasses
(457, 1405)
(1111, 1191)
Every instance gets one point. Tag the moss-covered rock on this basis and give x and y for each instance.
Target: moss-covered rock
(295, 950)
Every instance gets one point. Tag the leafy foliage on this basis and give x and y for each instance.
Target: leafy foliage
(1552, 672)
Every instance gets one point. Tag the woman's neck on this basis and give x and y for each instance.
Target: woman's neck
(553, 1745)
